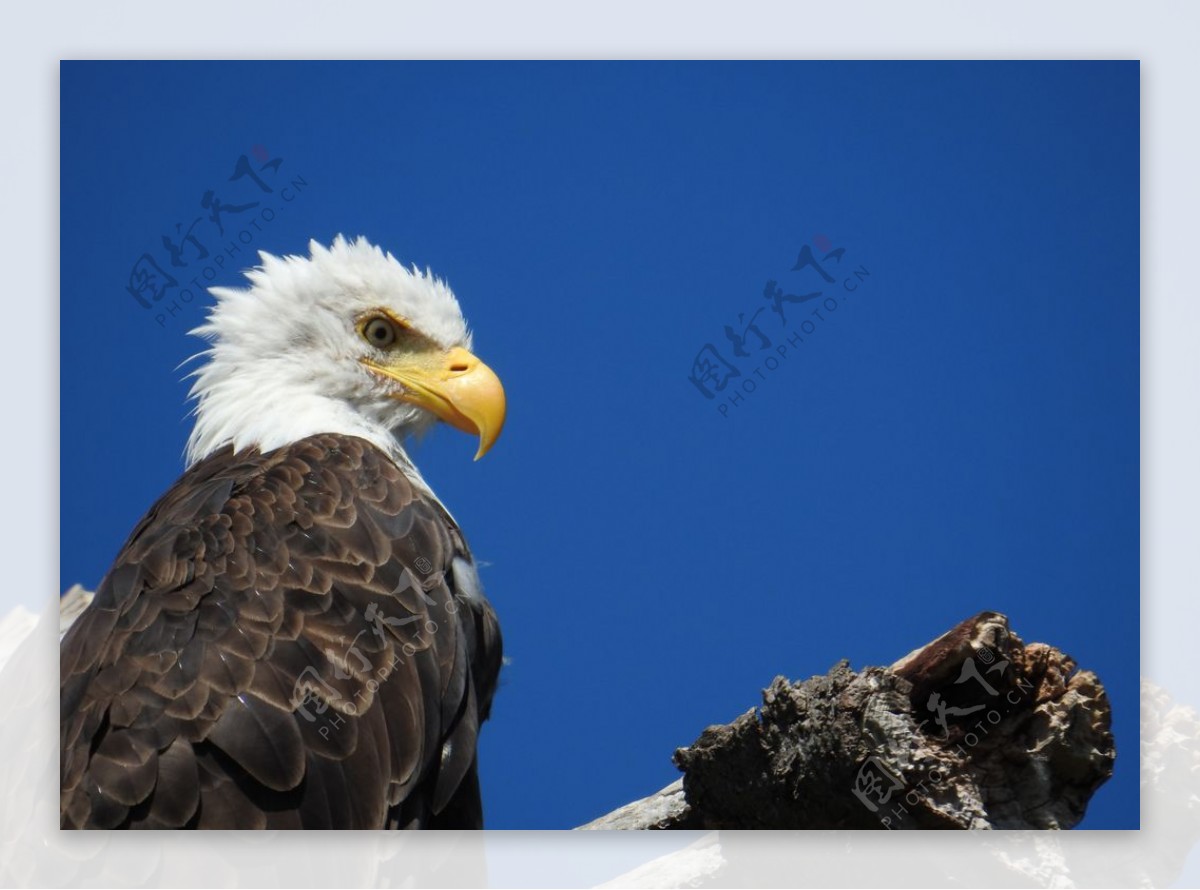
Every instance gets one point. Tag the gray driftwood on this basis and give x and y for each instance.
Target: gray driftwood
(973, 730)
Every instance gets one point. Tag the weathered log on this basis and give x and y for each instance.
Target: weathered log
(973, 730)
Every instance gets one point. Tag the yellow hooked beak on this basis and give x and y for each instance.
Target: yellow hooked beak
(454, 385)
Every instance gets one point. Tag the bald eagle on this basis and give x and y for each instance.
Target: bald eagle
(295, 636)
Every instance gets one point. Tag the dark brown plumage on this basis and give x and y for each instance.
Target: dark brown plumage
(294, 639)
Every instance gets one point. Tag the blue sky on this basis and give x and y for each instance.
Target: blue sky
(958, 433)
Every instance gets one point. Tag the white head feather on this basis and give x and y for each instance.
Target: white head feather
(284, 365)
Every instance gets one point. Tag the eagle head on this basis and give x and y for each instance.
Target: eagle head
(346, 340)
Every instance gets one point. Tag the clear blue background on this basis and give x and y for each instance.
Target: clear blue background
(962, 434)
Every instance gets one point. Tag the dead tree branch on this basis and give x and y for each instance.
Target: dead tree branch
(973, 730)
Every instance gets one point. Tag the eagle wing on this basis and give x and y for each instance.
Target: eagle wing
(295, 639)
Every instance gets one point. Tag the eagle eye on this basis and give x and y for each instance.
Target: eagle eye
(380, 332)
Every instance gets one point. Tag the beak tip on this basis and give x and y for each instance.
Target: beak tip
(485, 446)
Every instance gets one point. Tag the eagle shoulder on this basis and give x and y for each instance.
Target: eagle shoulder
(290, 639)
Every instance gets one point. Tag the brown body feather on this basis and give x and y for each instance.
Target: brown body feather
(294, 639)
